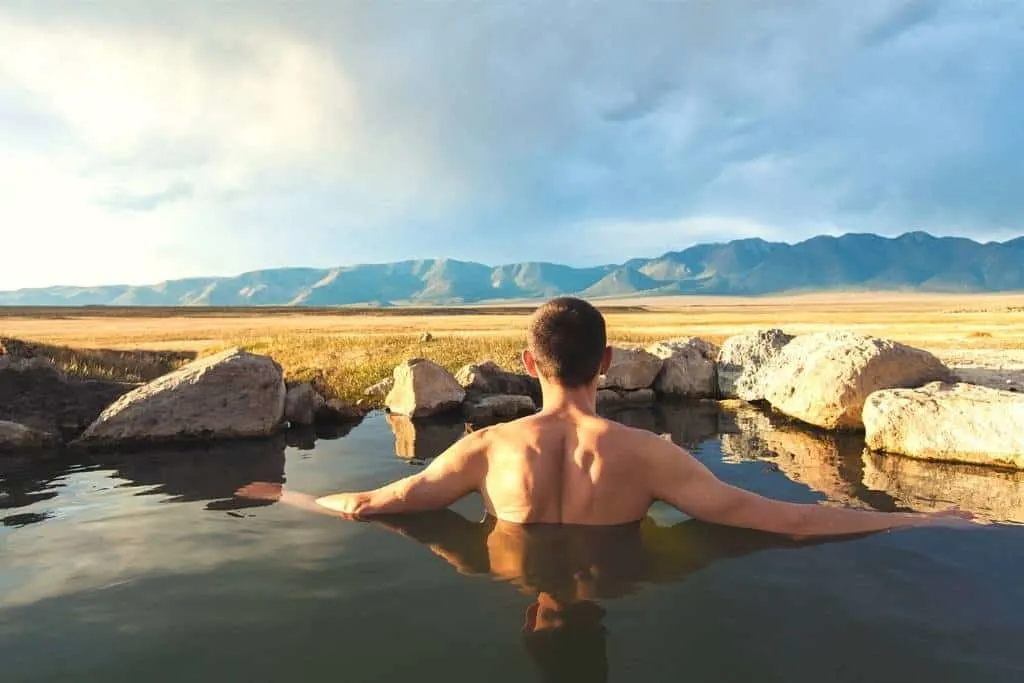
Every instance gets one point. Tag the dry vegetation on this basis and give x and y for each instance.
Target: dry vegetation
(351, 349)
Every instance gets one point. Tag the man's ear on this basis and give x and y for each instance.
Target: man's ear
(530, 362)
(606, 361)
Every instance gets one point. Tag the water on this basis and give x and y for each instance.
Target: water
(143, 567)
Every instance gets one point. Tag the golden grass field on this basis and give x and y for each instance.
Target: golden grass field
(350, 348)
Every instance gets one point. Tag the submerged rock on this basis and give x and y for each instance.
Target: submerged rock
(18, 437)
(423, 388)
(688, 368)
(741, 360)
(226, 395)
(824, 378)
(954, 422)
(630, 369)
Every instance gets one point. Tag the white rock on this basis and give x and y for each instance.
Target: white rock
(423, 388)
(824, 378)
(630, 369)
(953, 422)
(741, 360)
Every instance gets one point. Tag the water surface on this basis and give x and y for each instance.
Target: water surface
(143, 566)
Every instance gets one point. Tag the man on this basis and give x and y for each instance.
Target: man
(567, 465)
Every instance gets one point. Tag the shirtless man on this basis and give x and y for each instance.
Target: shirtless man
(565, 464)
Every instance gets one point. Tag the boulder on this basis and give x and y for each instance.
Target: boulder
(301, 404)
(824, 378)
(35, 393)
(16, 437)
(426, 337)
(423, 439)
(952, 422)
(688, 368)
(741, 360)
(631, 369)
(336, 410)
(423, 388)
(230, 394)
(380, 389)
(501, 406)
(489, 378)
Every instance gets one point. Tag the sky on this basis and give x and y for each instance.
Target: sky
(142, 141)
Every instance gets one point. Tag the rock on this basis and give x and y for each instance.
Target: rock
(426, 337)
(423, 388)
(380, 389)
(991, 494)
(14, 436)
(301, 404)
(498, 406)
(952, 422)
(824, 378)
(336, 410)
(423, 439)
(741, 360)
(631, 369)
(688, 368)
(226, 395)
(489, 378)
(35, 393)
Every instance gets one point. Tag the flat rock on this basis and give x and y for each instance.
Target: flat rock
(631, 368)
(741, 360)
(301, 404)
(423, 388)
(951, 422)
(824, 378)
(226, 395)
(688, 368)
(500, 406)
(17, 437)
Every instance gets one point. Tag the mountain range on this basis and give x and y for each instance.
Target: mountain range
(913, 261)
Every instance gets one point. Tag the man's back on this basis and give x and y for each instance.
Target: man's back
(564, 467)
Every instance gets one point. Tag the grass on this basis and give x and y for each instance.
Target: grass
(348, 350)
(104, 364)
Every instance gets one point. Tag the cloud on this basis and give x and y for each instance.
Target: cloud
(351, 131)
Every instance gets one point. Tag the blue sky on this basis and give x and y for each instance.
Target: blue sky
(141, 141)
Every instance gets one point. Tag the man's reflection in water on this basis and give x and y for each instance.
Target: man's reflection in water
(568, 568)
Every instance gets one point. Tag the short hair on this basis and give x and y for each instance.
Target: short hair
(567, 337)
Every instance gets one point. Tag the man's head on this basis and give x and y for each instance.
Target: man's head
(568, 343)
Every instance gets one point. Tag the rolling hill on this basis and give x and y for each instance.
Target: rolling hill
(913, 261)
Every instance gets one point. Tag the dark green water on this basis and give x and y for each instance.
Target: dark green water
(129, 567)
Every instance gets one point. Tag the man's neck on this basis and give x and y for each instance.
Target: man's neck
(580, 399)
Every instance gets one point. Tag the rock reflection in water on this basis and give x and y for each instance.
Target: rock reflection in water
(422, 438)
(210, 473)
(828, 463)
(990, 494)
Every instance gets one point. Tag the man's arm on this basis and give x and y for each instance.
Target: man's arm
(680, 480)
(450, 476)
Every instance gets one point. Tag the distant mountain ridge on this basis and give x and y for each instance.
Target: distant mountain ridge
(913, 261)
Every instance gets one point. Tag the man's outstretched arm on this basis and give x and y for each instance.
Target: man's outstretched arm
(450, 476)
(682, 481)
